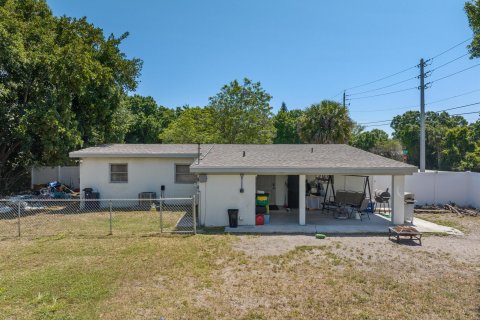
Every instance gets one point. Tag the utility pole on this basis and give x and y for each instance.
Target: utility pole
(344, 96)
(422, 116)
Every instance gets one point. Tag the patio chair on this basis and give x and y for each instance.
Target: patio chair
(362, 209)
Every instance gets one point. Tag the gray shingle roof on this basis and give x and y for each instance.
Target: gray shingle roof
(261, 159)
(140, 150)
(297, 159)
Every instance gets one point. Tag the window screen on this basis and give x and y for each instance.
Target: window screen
(183, 175)
(119, 172)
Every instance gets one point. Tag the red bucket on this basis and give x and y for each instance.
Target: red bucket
(259, 219)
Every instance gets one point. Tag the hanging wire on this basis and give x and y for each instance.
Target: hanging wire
(452, 97)
(449, 49)
(383, 78)
(453, 74)
(390, 85)
(386, 109)
(459, 107)
(447, 63)
(383, 94)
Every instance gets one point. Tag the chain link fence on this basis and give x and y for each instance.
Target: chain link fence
(47, 217)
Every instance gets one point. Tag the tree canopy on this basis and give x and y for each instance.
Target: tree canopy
(407, 130)
(61, 84)
(285, 122)
(243, 113)
(147, 119)
(326, 122)
(193, 125)
(472, 8)
(367, 140)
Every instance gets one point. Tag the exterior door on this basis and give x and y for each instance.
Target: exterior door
(293, 190)
(267, 184)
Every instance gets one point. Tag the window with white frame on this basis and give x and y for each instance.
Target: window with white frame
(118, 172)
(183, 175)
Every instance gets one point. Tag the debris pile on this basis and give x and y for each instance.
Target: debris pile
(448, 208)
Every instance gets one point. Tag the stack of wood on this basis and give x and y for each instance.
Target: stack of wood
(448, 208)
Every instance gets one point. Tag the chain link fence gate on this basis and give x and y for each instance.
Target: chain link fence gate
(96, 217)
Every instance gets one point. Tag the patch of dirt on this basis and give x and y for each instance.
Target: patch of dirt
(461, 248)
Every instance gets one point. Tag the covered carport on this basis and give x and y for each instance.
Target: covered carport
(228, 175)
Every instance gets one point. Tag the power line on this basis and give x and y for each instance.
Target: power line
(416, 107)
(383, 78)
(383, 94)
(405, 70)
(377, 125)
(374, 121)
(390, 85)
(461, 114)
(459, 107)
(449, 49)
(453, 108)
(386, 109)
(447, 63)
(452, 74)
(337, 95)
(452, 97)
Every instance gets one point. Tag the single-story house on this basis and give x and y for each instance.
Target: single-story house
(228, 176)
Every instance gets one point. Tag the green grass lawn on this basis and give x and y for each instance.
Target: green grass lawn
(62, 220)
(218, 276)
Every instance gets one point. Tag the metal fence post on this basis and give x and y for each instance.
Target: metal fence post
(18, 218)
(110, 205)
(161, 216)
(194, 214)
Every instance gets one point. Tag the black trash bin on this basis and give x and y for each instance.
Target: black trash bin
(90, 195)
(233, 218)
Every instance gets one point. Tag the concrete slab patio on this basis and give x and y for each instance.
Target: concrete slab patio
(283, 222)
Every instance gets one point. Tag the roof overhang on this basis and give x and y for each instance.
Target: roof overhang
(131, 155)
(306, 171)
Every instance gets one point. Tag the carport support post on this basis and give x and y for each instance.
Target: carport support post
(301, 199)
(398, 202)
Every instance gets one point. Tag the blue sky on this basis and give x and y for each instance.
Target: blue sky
(302, 51)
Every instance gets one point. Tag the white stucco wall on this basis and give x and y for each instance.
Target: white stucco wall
(281, 190)
(222, 192)
(144, 175)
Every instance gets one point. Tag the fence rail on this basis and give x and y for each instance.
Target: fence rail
(47, 217)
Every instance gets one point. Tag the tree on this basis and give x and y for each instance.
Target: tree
(407, 130)
(367, 140)
(148, 120)
(471, 161)
(243, 113)
(473, 13)
(285, 123)
(62, 83)
(326, 122)
(193, 125)
(389, 148)
(456, 144)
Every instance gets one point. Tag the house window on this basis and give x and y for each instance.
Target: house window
(118, 172)
(183, 175)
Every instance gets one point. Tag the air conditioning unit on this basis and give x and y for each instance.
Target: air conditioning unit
(146, 199)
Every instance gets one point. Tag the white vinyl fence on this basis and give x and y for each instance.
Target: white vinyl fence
(439, 187)
(69, 175)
